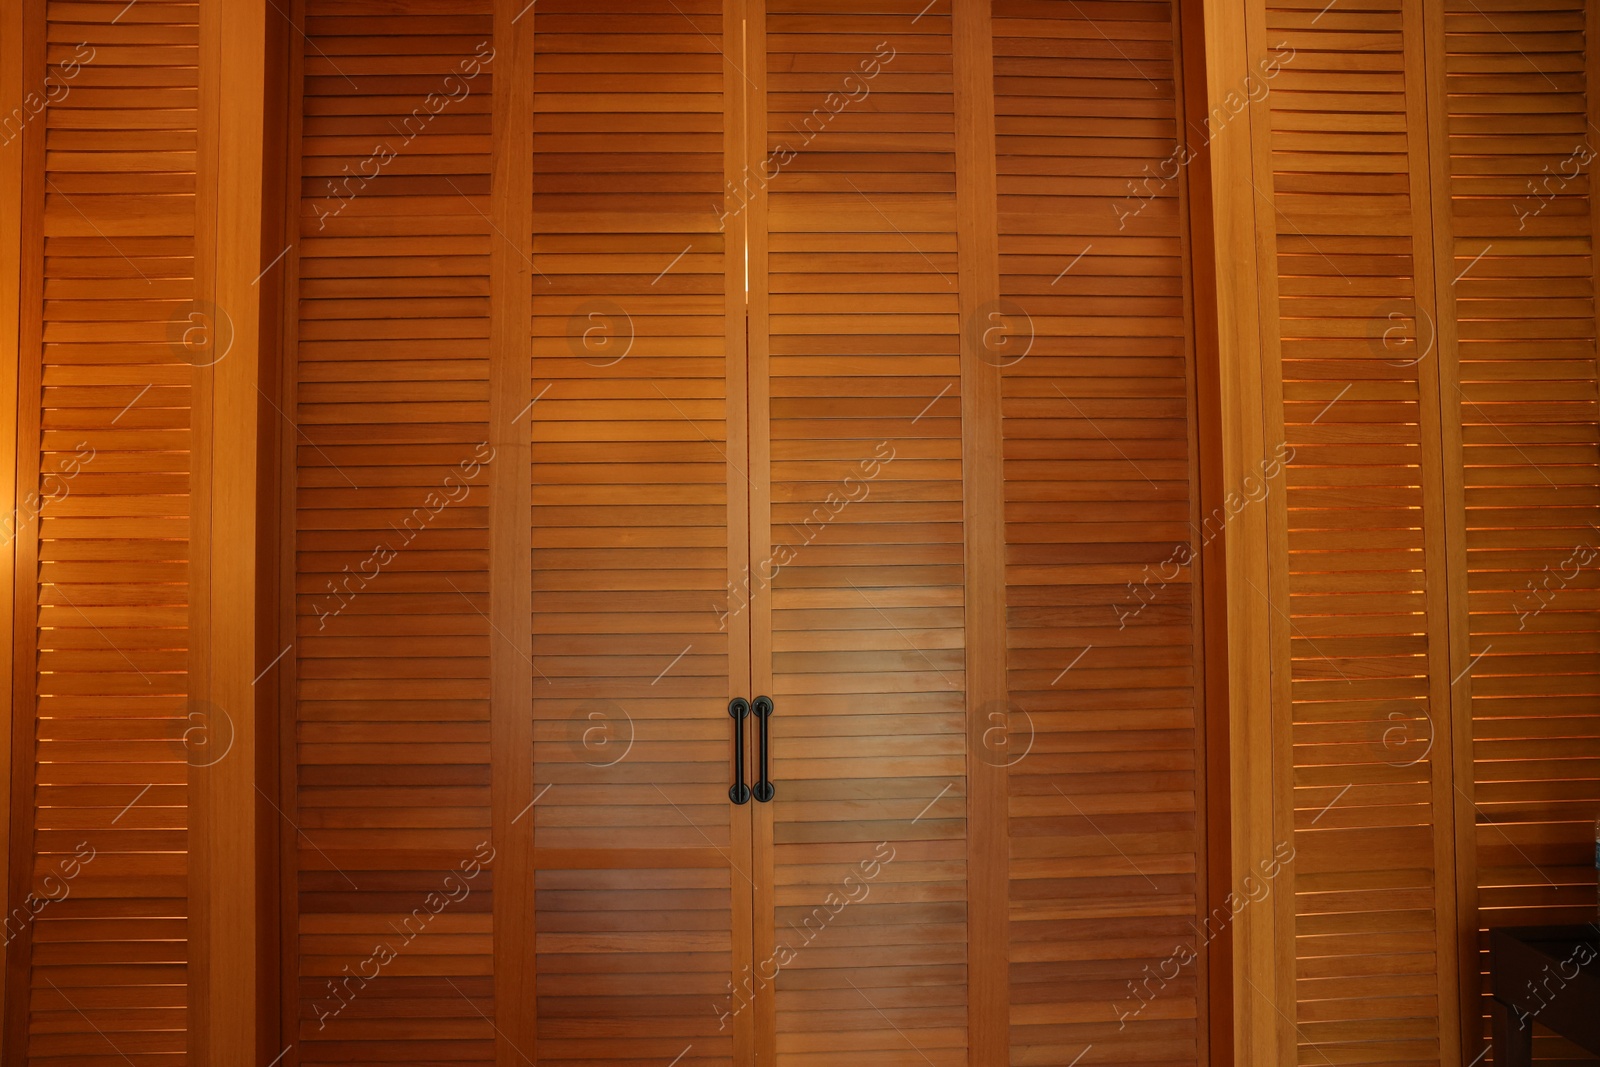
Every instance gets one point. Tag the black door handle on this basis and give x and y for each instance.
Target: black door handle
(762, 708)
(738, 710)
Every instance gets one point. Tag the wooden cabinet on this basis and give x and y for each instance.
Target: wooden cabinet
(634, 357)
(832, 392)
(429, 415)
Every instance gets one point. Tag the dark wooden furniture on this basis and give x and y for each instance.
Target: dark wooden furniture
(1544, 974)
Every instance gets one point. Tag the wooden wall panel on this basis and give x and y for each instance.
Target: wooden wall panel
(103, 696)
(1103, 530)
(390, 810)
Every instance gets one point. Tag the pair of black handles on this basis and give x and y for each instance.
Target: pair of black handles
(740, 709)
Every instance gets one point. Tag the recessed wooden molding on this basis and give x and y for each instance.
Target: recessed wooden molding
(12, 102)
(1233, 35)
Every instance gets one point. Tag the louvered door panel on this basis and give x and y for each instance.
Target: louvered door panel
(107, 959)
(638, 502)
(1522, 220)
(390, 815)
(1366, 643)
(1102, 532)
(868, 825)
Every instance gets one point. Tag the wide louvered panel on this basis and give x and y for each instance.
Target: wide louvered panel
(864, 558)
(109, 767)
(390, 816)
(1101, 736)
(1521, 213)
(1367, 666)
(634, 445)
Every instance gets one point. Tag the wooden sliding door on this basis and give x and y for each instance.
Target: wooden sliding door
(388, 951)
(130, 167)
(98, 922)
(641, 896)
(677, 352)
(520, 504)
(859, 581)
(976, 533)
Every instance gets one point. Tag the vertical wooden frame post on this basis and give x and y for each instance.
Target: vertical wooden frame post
(1214, 872)
(24, 164)
(510, 545)
(983, 495)
(225, 604)
(275, 635)
(1443, 518)
(284, 781)
(12, 103)
(1262, 977)
(749, 388)
(12, 93)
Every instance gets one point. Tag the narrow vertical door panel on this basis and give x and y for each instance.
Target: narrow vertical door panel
(1361, 563)
(1518, 118)
(389, 817)
(857, 574)
(97, 926)
(1102, 737)
(641, 896)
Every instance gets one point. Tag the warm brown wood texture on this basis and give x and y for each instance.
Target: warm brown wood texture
(511, 728)
(794, 519)
(1520, 259)
(864, 557)
(983, 533)
(12, 98)
(1103, 531)
(1361, 569)
(862, 199)
(96, 939)
(388, 928)
(1424, 186)
(132, 895)
(232, 629)
(642, 892)
(637, 354)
